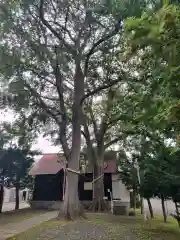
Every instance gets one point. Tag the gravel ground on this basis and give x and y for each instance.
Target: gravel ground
(89, 231)
(74, 231)
(102, 227)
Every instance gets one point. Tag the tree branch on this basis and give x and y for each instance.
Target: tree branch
(83, 133)
(66, 31)
(43, 104)
(115, 140)
(59, 84)
(93, 122)
(63, 125)
(100, 88)
(104, 124)
(87, 136)
(53, 31)
(115, 120)
(50, 98)
(100, 41)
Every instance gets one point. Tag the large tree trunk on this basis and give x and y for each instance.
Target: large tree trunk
(99, 204)
(150, 207)
(1, 197)
(72, 206)
(17, 197)
(163, 208)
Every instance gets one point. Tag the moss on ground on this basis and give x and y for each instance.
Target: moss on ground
(105, 227)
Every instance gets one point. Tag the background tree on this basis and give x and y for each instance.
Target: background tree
(18, 170)
(154, 42)
(4, 139)
(129, 175)
(160, 62)
(17, 154)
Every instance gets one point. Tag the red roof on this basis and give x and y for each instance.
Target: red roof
(110, 166)
(48, 164)
(53, 163)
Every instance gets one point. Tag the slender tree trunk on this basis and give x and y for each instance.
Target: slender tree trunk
(150, 207)
(72, 206)
(177, 211)
(163, 208)
(142, 205)
(17, 197)
(134, 199)
(176, 207)
(1, 197)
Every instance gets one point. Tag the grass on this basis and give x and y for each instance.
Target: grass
(104, 226)
(18, 215)
(157, 229)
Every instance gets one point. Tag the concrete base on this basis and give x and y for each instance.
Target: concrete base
(87, 204)
(50, 205)
(56, 205)
(120, 208)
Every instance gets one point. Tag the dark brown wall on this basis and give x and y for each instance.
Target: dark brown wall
(50, 187)
(86, 195)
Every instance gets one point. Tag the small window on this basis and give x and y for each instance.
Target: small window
(87, 186)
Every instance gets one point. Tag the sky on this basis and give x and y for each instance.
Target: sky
(43, 144)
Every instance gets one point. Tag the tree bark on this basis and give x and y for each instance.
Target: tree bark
(72, 206)
(97, 160)
(97, 157)
(177, 211)
(163, 208)
(150, 208)
(17, 197)
(176, 206)
(99, 204)
(134, 199)
(142, 205)
(1, 197)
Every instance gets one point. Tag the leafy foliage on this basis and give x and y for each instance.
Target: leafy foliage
(155, 38)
